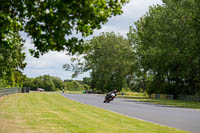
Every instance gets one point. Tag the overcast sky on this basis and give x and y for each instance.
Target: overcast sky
(52, 62)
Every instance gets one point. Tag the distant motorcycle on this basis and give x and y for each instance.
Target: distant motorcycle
(109, 98)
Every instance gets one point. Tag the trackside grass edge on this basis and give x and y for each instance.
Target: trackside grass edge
(140, 97)
(52, 113)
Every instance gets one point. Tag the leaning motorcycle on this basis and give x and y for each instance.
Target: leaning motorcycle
(109, 98)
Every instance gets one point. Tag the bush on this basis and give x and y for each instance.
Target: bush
(75, 86)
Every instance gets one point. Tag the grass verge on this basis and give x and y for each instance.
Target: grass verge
(52, 113)
(175, 103)
(71, 92)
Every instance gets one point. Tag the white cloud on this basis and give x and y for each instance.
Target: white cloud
(51, 59)
(52, 62)
(131, 13)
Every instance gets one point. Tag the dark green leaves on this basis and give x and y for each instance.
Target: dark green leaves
(50, 22)
(110, 60)
(167, 47)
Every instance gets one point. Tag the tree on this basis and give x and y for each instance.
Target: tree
(87, 81)
(57, 82)
(74, 86)
(167, 47)
(47, 82)
(50, 23)
(28, 82)
(48, 85)
(11, 46)
(109, 59)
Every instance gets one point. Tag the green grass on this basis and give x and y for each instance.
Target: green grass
(72, 92)
(175, 103)
(52, 113)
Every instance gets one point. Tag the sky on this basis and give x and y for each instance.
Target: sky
(52, 63)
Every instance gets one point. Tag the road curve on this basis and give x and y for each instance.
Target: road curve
(181, 118)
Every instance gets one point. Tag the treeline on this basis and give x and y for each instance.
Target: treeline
(26, 18)
(167, 46)
(160, 55)
(11, 54)
(109, 59)
(13, 78)
(51, 83)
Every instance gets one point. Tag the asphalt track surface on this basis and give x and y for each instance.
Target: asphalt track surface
(181, 118)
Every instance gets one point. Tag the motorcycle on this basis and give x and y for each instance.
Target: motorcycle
(109, 98)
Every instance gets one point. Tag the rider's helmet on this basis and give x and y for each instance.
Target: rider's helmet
(115, 91)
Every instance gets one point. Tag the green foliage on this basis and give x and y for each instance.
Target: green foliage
(13, 79)
(87, 81)
(49, 83)
(50, 23)
(11, 55)
(57, 82)
(166, 43)
(110, 60)
(75, 86)
(28, 82)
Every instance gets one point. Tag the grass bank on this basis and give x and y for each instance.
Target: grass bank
(52, 113)
(176, 103)
(72, 92)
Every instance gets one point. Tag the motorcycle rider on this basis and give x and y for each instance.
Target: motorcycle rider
(111, 94)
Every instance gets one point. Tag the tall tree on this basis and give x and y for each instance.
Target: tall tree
(11, 46)
(167, 47)
(109, 59)
(50, 23)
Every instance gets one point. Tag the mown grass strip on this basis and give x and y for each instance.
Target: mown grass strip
(175, 103)
(52, 113)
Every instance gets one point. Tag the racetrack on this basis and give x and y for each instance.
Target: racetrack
(186, 119)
